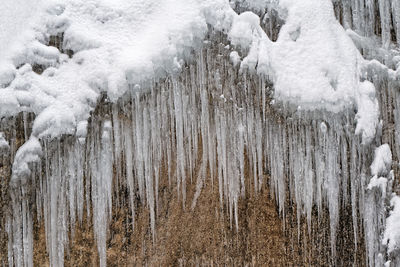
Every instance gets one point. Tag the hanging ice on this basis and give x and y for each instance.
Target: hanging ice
(115, 103)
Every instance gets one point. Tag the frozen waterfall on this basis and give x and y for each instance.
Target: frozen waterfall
(301, 97)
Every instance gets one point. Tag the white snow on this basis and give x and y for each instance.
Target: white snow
(16, 22)
(115, 43)
(314, 61)
(29, 152)
(245, 29)
(313, 64)
(380, 182)
(81, 130)
(235, 58)
(135, 40)
(382, 160)
(54, 121)
(392, 232)
(377, 194)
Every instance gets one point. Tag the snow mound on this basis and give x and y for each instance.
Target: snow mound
(313, 64)
(116, 43)
(29, 152)
(381, 167)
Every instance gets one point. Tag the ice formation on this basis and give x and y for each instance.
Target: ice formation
(119, 89)
(4, 145)
(392, 236)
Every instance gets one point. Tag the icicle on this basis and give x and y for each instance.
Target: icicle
(396, 19)
(384, 8)
(139, 170)
(102, 174)
(4, 145)
(180, 160)
(19, 228)
(155, 145)
(20, 222)
(347, 23)
(128, 145)
(148, 166)
(118, 149)
(370, 6)
(313, 157)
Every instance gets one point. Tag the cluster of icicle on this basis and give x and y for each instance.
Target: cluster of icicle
(374, 27)
(371, 17)
(215, 118)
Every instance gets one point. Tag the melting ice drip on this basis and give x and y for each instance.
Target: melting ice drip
(215, 107)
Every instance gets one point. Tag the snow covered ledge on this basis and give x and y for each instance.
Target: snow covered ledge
(313, 64)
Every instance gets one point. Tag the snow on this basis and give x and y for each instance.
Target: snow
(380, 182)
(368, 111)
(81, 130)
(54, 121)
(313, 64)
(392, 232)
(377, 195)
(382, 160)
(243, 29)
(29, 152)
(115, 43)
(235, 58)
(320, 66)
(18, 16)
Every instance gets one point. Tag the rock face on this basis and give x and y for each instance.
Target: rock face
(204, 167)
(202, 236)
